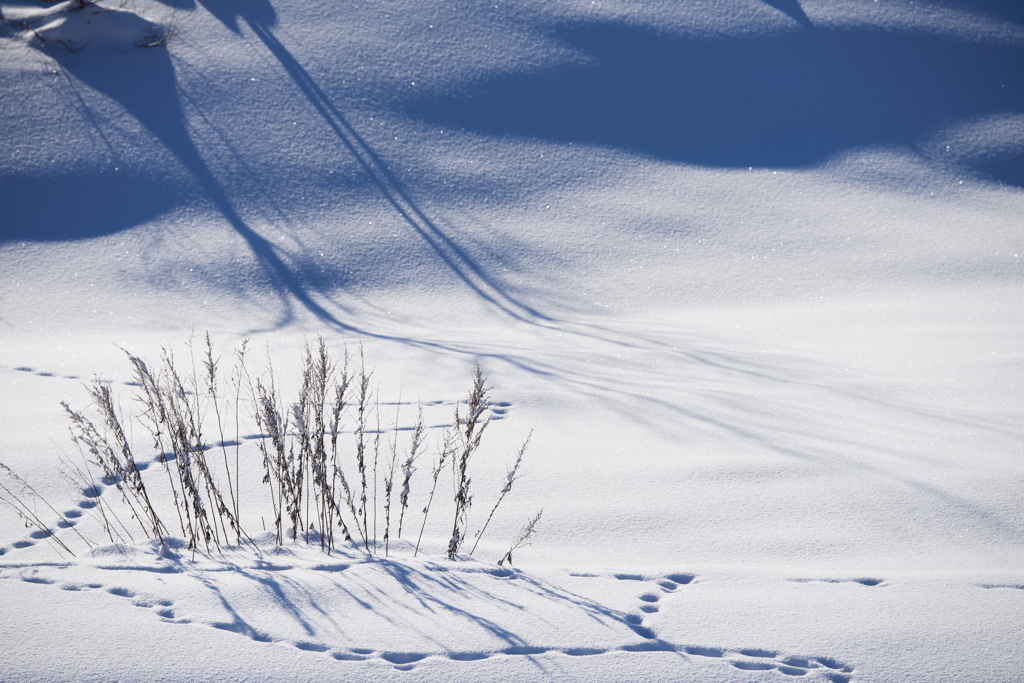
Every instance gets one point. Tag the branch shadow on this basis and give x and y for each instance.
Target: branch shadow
(260, 17)
(144, 83)
(792, 9)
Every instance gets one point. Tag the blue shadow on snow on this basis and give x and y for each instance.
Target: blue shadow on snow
(259, 15)
(788, 99)
(145, 84)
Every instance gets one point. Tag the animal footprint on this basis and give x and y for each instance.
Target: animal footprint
(680, 579)
(37, 579)
(348, 657)
(311, 647)
(467, 656)
(765, 660)
(42, 373)
(403, 661)
(649, 601)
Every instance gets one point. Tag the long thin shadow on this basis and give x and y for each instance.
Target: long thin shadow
(148, 92)
(455, 258)
(792, 9)
(146, 86)
(280, 272)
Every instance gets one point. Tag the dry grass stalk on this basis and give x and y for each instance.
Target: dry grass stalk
(25, 512)
(471, 432)
(118, 464)
(511, 478)
(82, 480)
(524, 539)
(444, 452)
(154, 417)
(273, 425)
(239, 373)
(338, 473)
(376, 460)
(408, 467)
(389, 477)
(362, 405)
(210, 365)
(186, 437)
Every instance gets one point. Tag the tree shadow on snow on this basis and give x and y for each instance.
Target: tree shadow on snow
(787, 99)
(144, 83)
(792, 9)
(261, 18)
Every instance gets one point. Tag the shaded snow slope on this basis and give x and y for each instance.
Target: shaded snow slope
(505, 152)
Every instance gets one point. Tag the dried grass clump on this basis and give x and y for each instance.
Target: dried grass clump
(314, 488)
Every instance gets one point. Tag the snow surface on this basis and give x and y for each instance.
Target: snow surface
(750, 270)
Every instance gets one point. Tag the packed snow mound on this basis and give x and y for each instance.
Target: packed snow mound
(77, 24)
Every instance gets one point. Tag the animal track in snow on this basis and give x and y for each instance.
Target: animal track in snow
(243, 574)
(766, 660)
(862, 581)
(650, 598)
(160, 607)
(32, 578)
(67, 519)
(498, 409)
(38, 373)
(747, 659)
